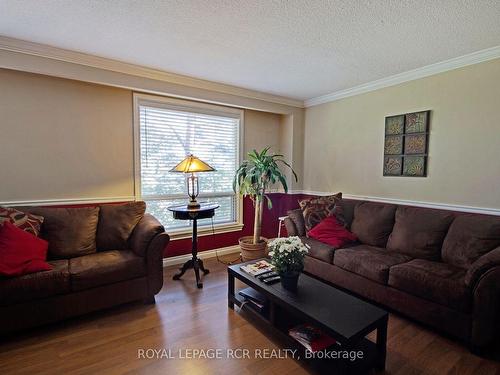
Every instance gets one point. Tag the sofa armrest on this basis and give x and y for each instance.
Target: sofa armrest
(149, 240)
(294, 223)
(290, 227)
(144, 232)
(154, 262)
(481, 266)
(486, 297)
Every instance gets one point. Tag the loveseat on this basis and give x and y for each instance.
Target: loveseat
(439, 267)
(100, 256)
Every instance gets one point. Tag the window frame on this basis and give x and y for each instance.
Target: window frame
(193, 106)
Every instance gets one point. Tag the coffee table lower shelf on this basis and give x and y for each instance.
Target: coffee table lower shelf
(278, 321)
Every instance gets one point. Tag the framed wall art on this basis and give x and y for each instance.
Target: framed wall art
(406, 144)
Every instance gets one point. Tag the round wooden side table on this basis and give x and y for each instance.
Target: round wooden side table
(183, 212)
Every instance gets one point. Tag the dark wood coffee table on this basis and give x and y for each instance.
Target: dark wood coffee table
(346, 318)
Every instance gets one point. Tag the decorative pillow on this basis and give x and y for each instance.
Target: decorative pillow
(71, 232)
(331, 232)
(21, 252)
(419, 232)
(27, 222)
(318, 208)
(116, 223)
(373, 222)
(469, 237)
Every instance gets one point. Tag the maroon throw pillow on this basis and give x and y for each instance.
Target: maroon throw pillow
(26, 221)
(21, 252)
(332, 232)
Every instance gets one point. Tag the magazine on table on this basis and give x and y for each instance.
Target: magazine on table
(258, 268)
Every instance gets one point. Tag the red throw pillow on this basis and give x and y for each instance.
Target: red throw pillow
(331, 232)
(21, 252)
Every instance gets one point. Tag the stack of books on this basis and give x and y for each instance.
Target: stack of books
(311, 337)
(258, 268)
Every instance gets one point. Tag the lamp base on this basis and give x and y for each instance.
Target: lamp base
(193, 191)
(193, 204)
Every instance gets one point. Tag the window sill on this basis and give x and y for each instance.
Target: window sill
(205, 231)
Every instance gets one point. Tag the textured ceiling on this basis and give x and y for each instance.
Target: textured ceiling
(298, 49)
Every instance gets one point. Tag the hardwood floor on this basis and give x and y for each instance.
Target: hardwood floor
(184, 317)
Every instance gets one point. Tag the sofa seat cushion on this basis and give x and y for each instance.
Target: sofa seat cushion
(36, 285)
(373, 222)
(439, 282)
(419, 232)
(105, 267)
(319, 250)
(368, 261)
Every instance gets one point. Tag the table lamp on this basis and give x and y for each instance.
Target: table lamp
(191, 164)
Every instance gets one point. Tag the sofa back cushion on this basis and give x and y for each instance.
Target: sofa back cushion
(348, 206)
(419, 232)
(116, 223)
(469, 237)
(71, 232)
(373, 222)
(317, 208)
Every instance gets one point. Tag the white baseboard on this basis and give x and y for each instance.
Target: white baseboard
(181, 259)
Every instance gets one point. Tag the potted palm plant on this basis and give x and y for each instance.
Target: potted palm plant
(253, 179)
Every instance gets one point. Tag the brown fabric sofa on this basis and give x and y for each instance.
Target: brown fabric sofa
(101, 256)
(439, 267)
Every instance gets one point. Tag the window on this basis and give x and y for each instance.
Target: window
(166, 130)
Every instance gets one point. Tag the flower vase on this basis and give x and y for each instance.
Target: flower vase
(289, 280)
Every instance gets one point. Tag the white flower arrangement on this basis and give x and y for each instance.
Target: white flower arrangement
(287, 254)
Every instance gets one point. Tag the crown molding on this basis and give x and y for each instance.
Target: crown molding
(60, 54)
(69, 201)
(429, 70)
(64, 55)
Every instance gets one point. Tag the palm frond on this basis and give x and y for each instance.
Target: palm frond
(258, 172)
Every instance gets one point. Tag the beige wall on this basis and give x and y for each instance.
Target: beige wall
(282, 134)
(343, 148)
(292, 146)
(64, 140)
(262, 129)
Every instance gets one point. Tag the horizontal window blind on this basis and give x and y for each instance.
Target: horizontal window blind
(167, 135)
